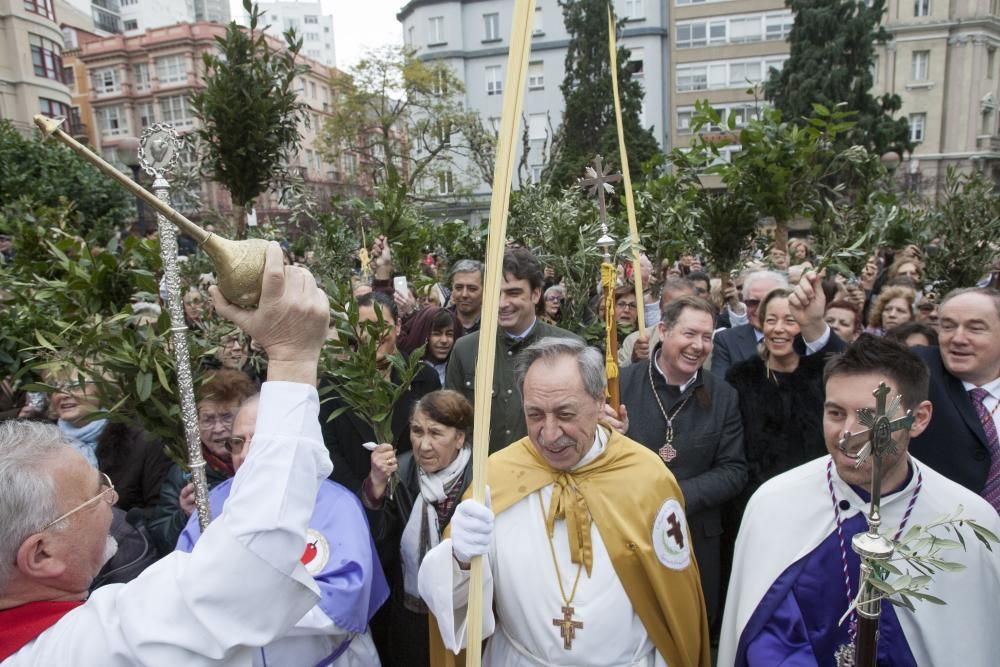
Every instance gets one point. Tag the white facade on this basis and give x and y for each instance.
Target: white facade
(472, 37)
(309, 22)
(106, 14)
(139, 16)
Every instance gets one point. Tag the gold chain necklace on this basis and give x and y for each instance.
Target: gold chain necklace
(567, 626)
(667, 451)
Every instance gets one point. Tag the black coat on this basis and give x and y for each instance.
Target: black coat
(731, 347)
(136, 465)
(954, 442)
(169, 519)
(345, 434)
(710, 467)
(403, 641)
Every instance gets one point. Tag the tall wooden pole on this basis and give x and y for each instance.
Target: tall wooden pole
(517, 74)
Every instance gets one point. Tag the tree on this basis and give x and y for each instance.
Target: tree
(396, 110)
(588, 126)
(249, 111)
(50, 175)
(832, 55)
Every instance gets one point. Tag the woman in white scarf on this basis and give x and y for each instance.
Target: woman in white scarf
(430, 481)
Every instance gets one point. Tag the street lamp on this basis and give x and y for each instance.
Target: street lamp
(128, 153)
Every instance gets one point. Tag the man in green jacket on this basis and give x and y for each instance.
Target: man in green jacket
(520, 290)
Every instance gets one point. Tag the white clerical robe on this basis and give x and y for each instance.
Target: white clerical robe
(791, 515)
(520, 581)
(241, 588)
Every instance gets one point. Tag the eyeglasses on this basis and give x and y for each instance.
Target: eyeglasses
(108, 494)
(752, 303)
(235, 444)
(625, 304)
(209, 421)
(554, 299)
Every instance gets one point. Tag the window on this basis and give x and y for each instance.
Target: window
(494, 84)
(918, 127)
(725, 74)
(538, 27)
(111, 121)
(635, 10)
(311, 36)
(691, 34)
(69, 78)
(291, 23)
(146, 114)
(921, 65)
(778, 26)
(446, 184)
(921, 7)
(536, 75)
(494, 122)
(105, 81)
(741, 73)
(409, 36)
(636, 65)
(987, 126)
(537, 130)
(41, 7)
(309, 159)
(309, 19)
(171, 69)
(435, 30)
(717, 32)
(692, 77)
(439, 81)
(53, 108)
(875, 69)
(491, 24)
(46, 57)
(312, 89)
(140, 76)
(684, 121)
(175, 110)
(536, 173)
(991, 61)
(995, 7)
(743, 30)
(131, 24)
(734, 30)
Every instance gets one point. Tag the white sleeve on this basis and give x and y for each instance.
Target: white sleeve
(818, 344)
(241, 587)
(444, 587)
(738, 319)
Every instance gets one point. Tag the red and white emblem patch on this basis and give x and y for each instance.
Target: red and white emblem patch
(317, 552)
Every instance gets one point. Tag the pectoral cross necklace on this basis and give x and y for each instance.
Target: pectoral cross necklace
(567, 626)
(667, 451)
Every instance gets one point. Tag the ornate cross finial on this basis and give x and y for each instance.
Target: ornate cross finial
(599, 181)
(877, 438)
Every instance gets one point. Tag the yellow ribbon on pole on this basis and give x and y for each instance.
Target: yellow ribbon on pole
(633, 228)
(517, 74)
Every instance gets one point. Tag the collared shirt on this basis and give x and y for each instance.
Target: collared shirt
(990, 401)
(659, 370)
(524, 334)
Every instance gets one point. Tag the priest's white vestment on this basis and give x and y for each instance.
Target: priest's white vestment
(241, 588)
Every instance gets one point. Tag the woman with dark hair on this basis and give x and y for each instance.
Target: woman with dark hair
(435, 327)
(913, 334)
(432, 478)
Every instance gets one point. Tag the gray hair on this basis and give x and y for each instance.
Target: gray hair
(588, 359)
(467, 266)
(28, 499)
(756, 276)
(988, 292)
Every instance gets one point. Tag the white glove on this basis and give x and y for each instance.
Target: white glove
(471, 529)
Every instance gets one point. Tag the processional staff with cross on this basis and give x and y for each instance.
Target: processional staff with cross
(873, 548)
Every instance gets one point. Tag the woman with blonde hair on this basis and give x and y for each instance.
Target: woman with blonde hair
(894, 306)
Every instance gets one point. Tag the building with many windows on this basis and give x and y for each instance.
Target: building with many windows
(135, 81)
(31, 63)
(472, 38)
(307, 19)
(942, 62)
(138, 16)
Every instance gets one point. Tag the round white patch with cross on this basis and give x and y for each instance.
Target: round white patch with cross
(670, 536)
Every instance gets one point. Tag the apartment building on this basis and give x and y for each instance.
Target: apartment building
(307, 19)
(138, 16)
(31, 63)
(942, 62)
(719, 50)
(472, 38)
(135, 81)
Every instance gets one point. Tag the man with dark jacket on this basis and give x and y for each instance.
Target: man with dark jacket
(346, 434)
(961, 440)
(520, 290)
(692, 420)
(739, 343)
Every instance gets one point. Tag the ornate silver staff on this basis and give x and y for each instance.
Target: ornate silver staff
(239, 265)
(159, 150)
(874, 548)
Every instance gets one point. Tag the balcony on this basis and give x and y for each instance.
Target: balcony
(988, 142)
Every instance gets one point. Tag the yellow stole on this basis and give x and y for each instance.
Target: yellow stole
(669, 602)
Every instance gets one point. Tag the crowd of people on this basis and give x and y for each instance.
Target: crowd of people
(708, 512)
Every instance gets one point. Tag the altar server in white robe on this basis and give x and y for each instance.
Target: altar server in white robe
(588, 561)
(241, 587)
(788, 590)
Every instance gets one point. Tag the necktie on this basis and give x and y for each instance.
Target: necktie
(992, 489)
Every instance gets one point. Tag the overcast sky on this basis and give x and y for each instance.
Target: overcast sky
(357, 25)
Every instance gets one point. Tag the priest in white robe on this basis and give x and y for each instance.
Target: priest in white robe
(588, 561)
(788, 590)
(242, 587)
